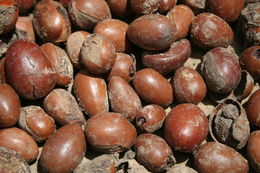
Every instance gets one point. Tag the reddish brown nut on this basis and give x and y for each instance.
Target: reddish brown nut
(253, 109)
(197, 6)
(124, 67)
(250, 61)
(24, 28)
(19, 141)
(28, 70)
(73, 46)
(91, 92)
(145, 6)
(221, 70)
(115, 31)
(186, 126)
(253, 148)
(64, 150)
(87, 13)
(181, 16)
(188, 86)
(62, 106)
(121, 8)
(9, 106)
(153, 152)
(151, 86)
(51, 21)
(167, 61)
(2, 71)
(150, 118)
(97, 54)
(166, 5)
(152, 32)
(216, 157)
(60, 62)
(110, 132)
(25, 5)
(208, 31)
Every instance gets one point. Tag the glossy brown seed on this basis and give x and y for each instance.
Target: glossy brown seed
(253, 109)
(60, 62)
(186, 126)
(124, 67)
(167, 61)
(188, 86)
(145, 6)
(62, 106)
(153, 152)
(208, 30)
(253, 148)
(25, 5)
(64, 150)
(150, 118)
(28, 70)
(197, 6)
(123, 98)
(18, 140)
(51, 21)
(221, 70)
(91, 92)
(110, 132)
(9, 106)
(166, 5)
(152, 32)
(36, 122)
(121, 8)
(97, 54)
(216, 157)
(87, 13)
(151, 86)
(24, 28)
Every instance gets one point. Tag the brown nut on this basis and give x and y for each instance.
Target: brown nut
(229, 125)
(167, 61)
(153, 152)
(2, 71)
(121, 8)
(19, 141)
(208, 31)
(91, 92)
(25, 5)
(123, 98)
(253, 109)
(62, 106)
(64, 150)
(253, 147)
(152, 32)
(216, 157)
(24, 28)
(145, 6)
(110, 132)
(166, 5)
(197, 6)
(151, 86)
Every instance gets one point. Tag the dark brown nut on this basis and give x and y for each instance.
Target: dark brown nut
(19, 141)
(97, 54)
(24, 28)
(51, 21)
(253, 109)
(28, 70)
(60, 62)
(216, 157)
(9, 13)
(188, 86)
(62, 106)
(228, 124)
(145, 6)
(115, 31)
(181, 16)
(121, 8)
(123, 98)
(250, 61)
(73, 46)
(181, 168)
(36, 123)
(124, 67)
(110, 132)
(11, 162)
(2, 71)
(153, 152)
(91, 92)
(151, 86)
(9, 106)
(150, 118)
(152, 32)
(25, 5)
(208, 31)
(64, 150)
(167, 61)
(253, 147)
(166, 5)
(197, 6)
(221, 70)
(87, 13)
(185, 128)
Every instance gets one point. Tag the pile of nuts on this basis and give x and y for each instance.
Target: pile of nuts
(93, 78)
